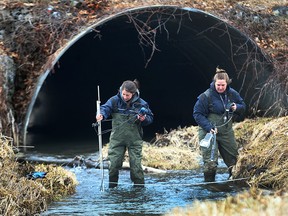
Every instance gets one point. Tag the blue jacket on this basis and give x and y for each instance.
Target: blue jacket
(216, 105)
(116, 104)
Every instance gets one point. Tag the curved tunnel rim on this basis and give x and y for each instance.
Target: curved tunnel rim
(59, 53)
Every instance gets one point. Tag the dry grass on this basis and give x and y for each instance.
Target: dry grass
(176, 150)
(247, 203)
(21, 196)
(170, 158)
(264, 156)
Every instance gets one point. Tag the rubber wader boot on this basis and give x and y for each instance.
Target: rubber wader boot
(113, 182)
(209, 176)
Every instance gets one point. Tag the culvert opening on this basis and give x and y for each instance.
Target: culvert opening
(190, 45)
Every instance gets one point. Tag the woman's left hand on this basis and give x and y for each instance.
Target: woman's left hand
(141, 117)
(234, 107)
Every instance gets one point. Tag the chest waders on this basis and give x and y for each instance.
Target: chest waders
(126, 134)
(225, 143)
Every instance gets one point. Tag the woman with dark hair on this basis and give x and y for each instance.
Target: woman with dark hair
(213, 113)
(129, 113)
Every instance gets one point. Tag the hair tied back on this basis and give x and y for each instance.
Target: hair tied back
(220, 70)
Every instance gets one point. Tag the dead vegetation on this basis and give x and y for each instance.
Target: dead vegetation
(171, 157)
(264, 157)
(22, 196)
(247, 203)
(177, 150)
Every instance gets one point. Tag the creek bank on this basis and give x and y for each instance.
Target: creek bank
(264, 148)
(21, 195)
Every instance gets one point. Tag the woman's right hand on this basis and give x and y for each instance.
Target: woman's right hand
(99, 117)
(213, 130)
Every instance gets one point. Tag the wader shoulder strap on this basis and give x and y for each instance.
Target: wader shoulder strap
(114, 105)
(207, 93)
(236, 117)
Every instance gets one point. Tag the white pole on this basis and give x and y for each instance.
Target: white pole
(100, 141)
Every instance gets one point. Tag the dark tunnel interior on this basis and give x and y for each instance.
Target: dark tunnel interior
(188, 51)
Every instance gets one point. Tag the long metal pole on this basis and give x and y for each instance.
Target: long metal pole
(100, 141)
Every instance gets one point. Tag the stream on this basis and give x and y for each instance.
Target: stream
(161, 194)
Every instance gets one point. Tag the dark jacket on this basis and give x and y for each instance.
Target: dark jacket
(214, 104)
(116, 104)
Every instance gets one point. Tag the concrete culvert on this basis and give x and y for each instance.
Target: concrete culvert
(172, 51)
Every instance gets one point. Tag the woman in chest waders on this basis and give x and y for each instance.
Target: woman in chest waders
(213, 113)
(129, 113)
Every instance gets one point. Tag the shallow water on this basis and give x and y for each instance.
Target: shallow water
(162, 192)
